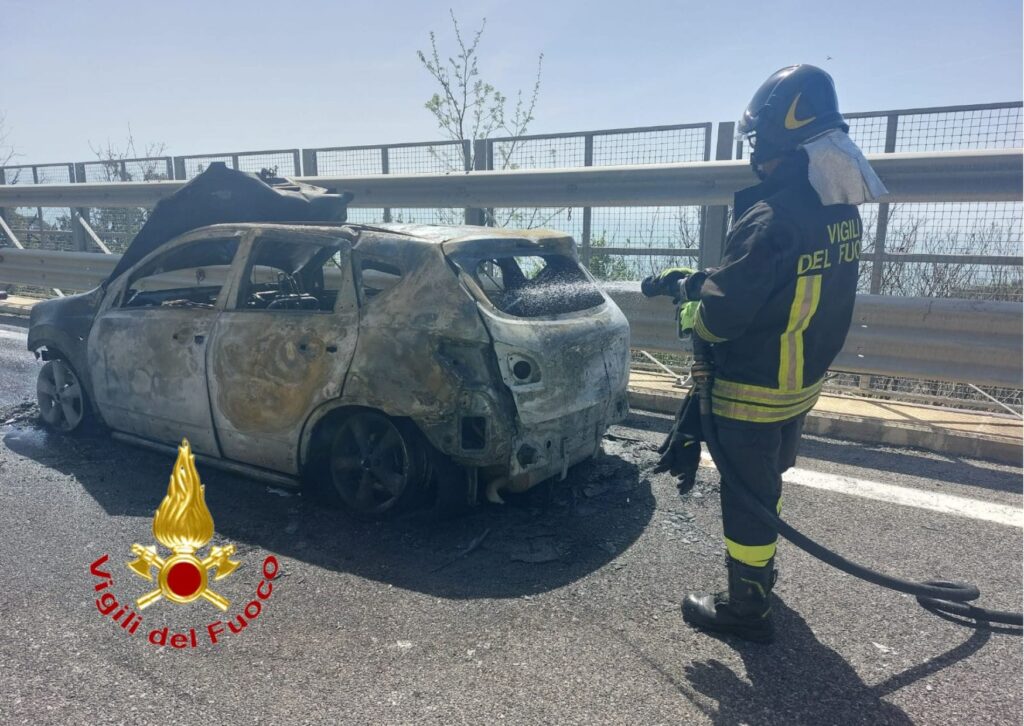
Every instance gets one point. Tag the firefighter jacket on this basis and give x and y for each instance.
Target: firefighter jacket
(779, 306)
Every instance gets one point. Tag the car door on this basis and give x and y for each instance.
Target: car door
(283, 345)
(147, 347)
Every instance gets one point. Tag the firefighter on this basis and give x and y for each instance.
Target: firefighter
(777, 310)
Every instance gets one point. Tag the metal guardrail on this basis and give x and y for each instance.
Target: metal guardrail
(975, 341)
(46, 268)
(957, 176)
(966, 176)
(945, 340)
(960, 341)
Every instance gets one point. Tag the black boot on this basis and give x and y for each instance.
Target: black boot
(744, 611)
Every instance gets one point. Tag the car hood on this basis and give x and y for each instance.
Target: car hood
(223, 195)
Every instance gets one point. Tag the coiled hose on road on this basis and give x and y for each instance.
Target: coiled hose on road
(940, 596)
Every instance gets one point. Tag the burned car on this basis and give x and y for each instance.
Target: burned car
(384, 364)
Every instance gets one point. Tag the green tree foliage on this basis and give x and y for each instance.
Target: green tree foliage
(467, 107)
(607, 267)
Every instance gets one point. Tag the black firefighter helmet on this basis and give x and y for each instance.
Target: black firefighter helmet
(795, 104)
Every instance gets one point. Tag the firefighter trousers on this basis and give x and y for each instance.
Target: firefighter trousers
(759, 454)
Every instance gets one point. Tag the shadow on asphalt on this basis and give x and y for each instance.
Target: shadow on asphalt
(798, 676)
(909, 462)
(544, 539)
(807, 681)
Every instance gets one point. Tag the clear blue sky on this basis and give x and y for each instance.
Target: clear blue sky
(221, 75)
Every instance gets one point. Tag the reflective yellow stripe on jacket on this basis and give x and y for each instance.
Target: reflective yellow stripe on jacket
(760, 404)
(791, 343)
(701, 328)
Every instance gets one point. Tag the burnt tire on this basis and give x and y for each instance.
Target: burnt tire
(377, 466)
(63, 402)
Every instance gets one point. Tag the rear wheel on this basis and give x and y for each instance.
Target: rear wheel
(377, 465)
(63, 404)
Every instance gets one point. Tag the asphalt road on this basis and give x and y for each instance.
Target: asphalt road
(566, 611)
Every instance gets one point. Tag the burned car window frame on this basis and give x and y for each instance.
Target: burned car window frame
(117, 295)
(217, 246)
(360, 260)
(299, 278)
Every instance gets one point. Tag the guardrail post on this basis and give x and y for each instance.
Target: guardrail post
(3, 220)
(179, 167)
(716, 219)
(488, 148)
(309, 162)
(385, 168)
(78, 235)
(877, 267)
(39, 210)
(588, 160)
(3, 180)
(474, 215)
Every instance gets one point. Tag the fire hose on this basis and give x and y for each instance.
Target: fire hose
(939, 596)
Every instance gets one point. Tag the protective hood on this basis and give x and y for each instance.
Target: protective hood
(839, 172)
(223, 195)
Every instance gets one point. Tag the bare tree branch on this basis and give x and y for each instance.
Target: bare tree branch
(6, 150)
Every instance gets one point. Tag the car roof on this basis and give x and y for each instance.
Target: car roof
(427, 233)
(439, 234)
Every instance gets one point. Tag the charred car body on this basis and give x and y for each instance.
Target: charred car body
(365, 358)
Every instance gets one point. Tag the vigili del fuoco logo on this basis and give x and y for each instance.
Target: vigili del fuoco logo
(182, 524)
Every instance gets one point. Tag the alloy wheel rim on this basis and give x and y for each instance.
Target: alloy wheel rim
(59, 394)
(370, 463)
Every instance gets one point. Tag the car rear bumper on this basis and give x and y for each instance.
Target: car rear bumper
(547, 449)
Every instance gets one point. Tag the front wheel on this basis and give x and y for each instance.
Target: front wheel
(377, 465)
(63, 404)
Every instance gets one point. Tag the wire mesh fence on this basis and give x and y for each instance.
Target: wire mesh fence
(992, 126)
(544, 152)
(346, 162)
(660, 145)
(38, 227)
(563, 219)
(629, 243)
(432, 157)
(124, 170)
(965, 250)
(932, 393)
(284, 162)
(443, 216)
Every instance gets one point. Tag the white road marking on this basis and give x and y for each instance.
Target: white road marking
(904, 496)
(13, 335)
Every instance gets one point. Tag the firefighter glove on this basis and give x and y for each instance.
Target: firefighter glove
(665, 282)
(687, 317)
